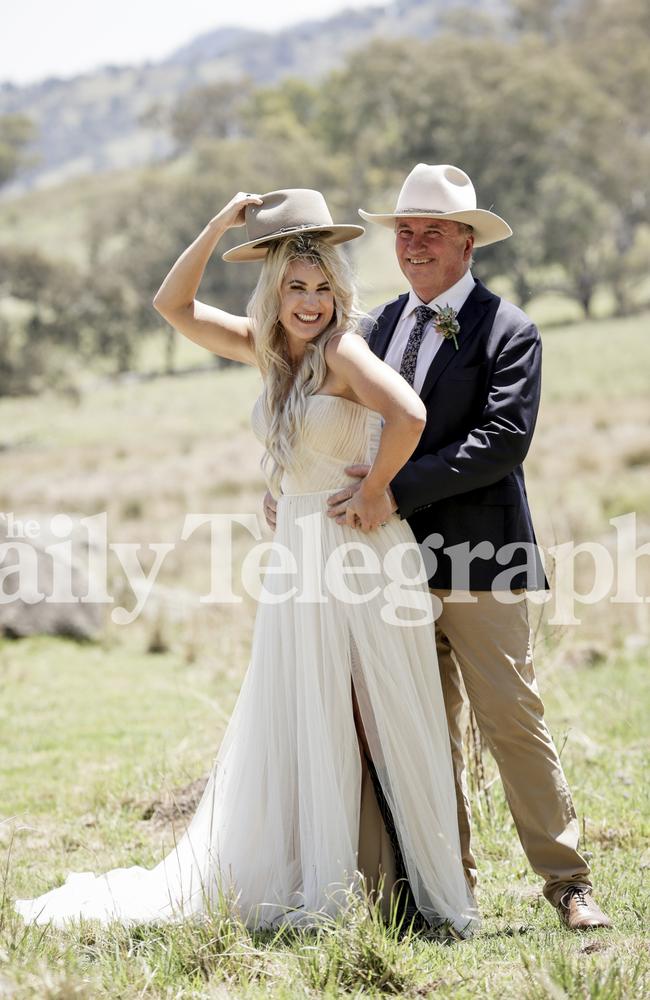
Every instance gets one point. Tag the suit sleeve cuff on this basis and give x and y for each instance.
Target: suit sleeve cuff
(400, 490)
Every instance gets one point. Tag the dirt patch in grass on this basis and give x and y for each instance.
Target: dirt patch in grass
(179, 803)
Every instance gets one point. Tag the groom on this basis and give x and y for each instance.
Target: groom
(464, 496)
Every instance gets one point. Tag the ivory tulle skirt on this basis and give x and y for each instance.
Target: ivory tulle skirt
(276, 832)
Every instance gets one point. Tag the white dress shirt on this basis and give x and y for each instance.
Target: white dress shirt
(432, 340)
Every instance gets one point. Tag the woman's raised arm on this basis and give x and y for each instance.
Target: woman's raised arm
(220, 332)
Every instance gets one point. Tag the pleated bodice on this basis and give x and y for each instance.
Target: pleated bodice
(336, 433)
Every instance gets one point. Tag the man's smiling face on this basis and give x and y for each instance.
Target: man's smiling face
(432, 253)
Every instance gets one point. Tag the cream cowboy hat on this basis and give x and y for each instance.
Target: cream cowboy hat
(442, 191)
(285, 213)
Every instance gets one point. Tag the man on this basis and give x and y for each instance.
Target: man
(477, 368)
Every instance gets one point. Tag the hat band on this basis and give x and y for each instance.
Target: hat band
(296, 228)
(414, 211)
(302, 225)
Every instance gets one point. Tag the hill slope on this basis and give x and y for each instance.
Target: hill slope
(98, 121)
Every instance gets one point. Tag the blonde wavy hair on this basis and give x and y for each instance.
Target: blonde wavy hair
(286, 387)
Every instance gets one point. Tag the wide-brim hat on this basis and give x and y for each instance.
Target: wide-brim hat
(287, 213)
(442, 191)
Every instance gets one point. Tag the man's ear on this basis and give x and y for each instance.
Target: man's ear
(469, 248)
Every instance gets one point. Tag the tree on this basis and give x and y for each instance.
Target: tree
(211, 111)
(35, 338)
(505, 112)
(609, 38)
(546, 18)
(576, 231)
(16, 131)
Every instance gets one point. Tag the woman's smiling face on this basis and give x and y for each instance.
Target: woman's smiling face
(306, 304)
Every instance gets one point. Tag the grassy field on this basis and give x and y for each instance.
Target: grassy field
(98, 740)
(94, 739)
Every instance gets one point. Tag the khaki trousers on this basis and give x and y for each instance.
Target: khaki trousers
(488, 644)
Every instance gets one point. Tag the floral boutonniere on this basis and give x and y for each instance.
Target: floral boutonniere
(446, 323)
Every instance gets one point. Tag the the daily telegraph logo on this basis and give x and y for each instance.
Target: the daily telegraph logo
(354, 572)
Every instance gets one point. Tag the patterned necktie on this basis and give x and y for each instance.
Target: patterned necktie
(410, 357)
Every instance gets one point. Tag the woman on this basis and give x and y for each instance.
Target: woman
(343, 666)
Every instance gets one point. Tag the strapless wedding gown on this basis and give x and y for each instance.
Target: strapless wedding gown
(276, 832)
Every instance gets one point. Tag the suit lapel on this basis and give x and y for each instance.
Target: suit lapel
(385, 324)
(472, 312)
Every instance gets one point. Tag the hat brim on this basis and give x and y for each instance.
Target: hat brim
(488, 227)
(257, 249)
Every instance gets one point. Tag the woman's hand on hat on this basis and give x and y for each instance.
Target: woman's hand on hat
(234, 213)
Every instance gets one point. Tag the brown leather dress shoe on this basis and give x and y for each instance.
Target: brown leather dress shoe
(579, 911)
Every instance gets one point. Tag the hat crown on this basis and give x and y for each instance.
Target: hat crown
(442, 191)
(436, 188)
(287, 210)
(283, 213)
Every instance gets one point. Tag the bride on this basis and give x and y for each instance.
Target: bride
(342, 683)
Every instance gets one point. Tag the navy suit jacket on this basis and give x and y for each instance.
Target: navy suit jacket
(463, 491)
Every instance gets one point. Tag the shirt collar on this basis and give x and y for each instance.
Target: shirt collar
(454, 296)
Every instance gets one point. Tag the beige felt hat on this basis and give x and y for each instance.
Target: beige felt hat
(285, 213)
(442, 191)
